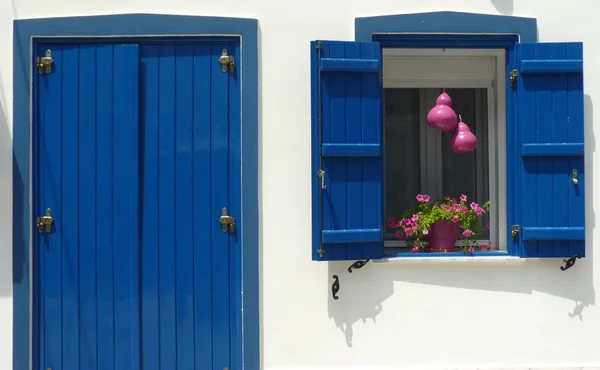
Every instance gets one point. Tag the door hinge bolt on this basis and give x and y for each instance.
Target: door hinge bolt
(227, 60)
(45, 63)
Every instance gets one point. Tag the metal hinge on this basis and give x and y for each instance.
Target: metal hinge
(45, 63)
(381, 76)
(514, 231)
(513, 77)
(227, 60)
(46, 220)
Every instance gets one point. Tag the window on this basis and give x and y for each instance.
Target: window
(418, 159)
(523, 100)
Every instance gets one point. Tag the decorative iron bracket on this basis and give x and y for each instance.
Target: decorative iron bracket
(335, 287)
(570, 262)
(358, 264)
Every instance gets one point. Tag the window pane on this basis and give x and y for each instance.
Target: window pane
(468, 173)
(402, 152)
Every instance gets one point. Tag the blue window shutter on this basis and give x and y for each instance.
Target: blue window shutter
(550, 204)
(347, 145)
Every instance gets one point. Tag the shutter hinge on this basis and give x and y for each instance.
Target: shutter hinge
(513, 77)
(227, 60)
(514, 231)
(45, 63)
(319, 47)
(381, 77)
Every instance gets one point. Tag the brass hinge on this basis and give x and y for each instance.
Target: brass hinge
(46, 220)
(45, 63)
(319, 47)
(514, 230)
(320, 252)
(513, 77)
(227, 60)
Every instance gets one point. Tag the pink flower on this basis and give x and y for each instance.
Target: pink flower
(447, 208)
(425, 232)
(426, 198)
(471, 250)
(457, 207)
(399, 234)
(415, 250)
(467, 233)
(465, 210)
(479, 211)
(416, 244)
(408, 231)
(474, 206)
(415, 217)
(463, 198)
(419, 198)
(455, 219)
(484, 248)
(392, 222)
(488, 225)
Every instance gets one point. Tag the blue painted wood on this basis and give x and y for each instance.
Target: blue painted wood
(105, 221)
(139, 25)
(550, 149)
(351, 236)
(349, 65)
(350, 133)
(74, 332)
(449, 23)
(351, 150)
(551, 66)
(506, 41)
(551, 206)
(553, 233)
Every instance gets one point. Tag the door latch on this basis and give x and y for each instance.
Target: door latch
(513, 77)
(225, 220)
(227, 60)
(514, 230)
(46, 220)
(45, 62)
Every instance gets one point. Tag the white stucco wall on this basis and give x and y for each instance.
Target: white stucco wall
(400, 315)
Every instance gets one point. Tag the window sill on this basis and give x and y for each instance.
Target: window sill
(454, 257)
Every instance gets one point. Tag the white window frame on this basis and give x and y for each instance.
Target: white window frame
(461, 68)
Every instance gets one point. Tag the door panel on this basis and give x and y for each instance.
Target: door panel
(185, 255)
(87, 160)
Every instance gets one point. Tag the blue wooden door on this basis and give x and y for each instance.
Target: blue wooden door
(132, 153)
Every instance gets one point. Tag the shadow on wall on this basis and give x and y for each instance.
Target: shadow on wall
(5, 193)
(363, 292)
(504, 7)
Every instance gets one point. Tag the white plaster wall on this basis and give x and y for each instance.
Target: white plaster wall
(401, 315)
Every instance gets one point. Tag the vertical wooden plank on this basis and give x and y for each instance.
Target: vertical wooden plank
(166, 208)
(87, 207)
(545, 168)
(126, 80)
(561, 170)
(149, 89)
(184, 213)
(337, 189)
(219, 196)
(105, 207)
(203, 214)
(372, 167)
(529, 178)
(575, 109)
(70, 204)
(326, 201)
(51, 132)
(353, 113)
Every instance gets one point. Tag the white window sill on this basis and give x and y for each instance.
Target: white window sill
(493, 257)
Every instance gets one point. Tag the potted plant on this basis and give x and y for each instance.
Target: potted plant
(436, 227)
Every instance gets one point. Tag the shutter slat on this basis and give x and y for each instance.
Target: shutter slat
(347, 141)
(551, 66)
(549, 149)
(349, 65)
(351, 150)
(550, 119)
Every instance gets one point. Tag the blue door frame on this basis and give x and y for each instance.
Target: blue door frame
(244, 131)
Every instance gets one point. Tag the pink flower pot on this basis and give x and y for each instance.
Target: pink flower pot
(443, 236)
